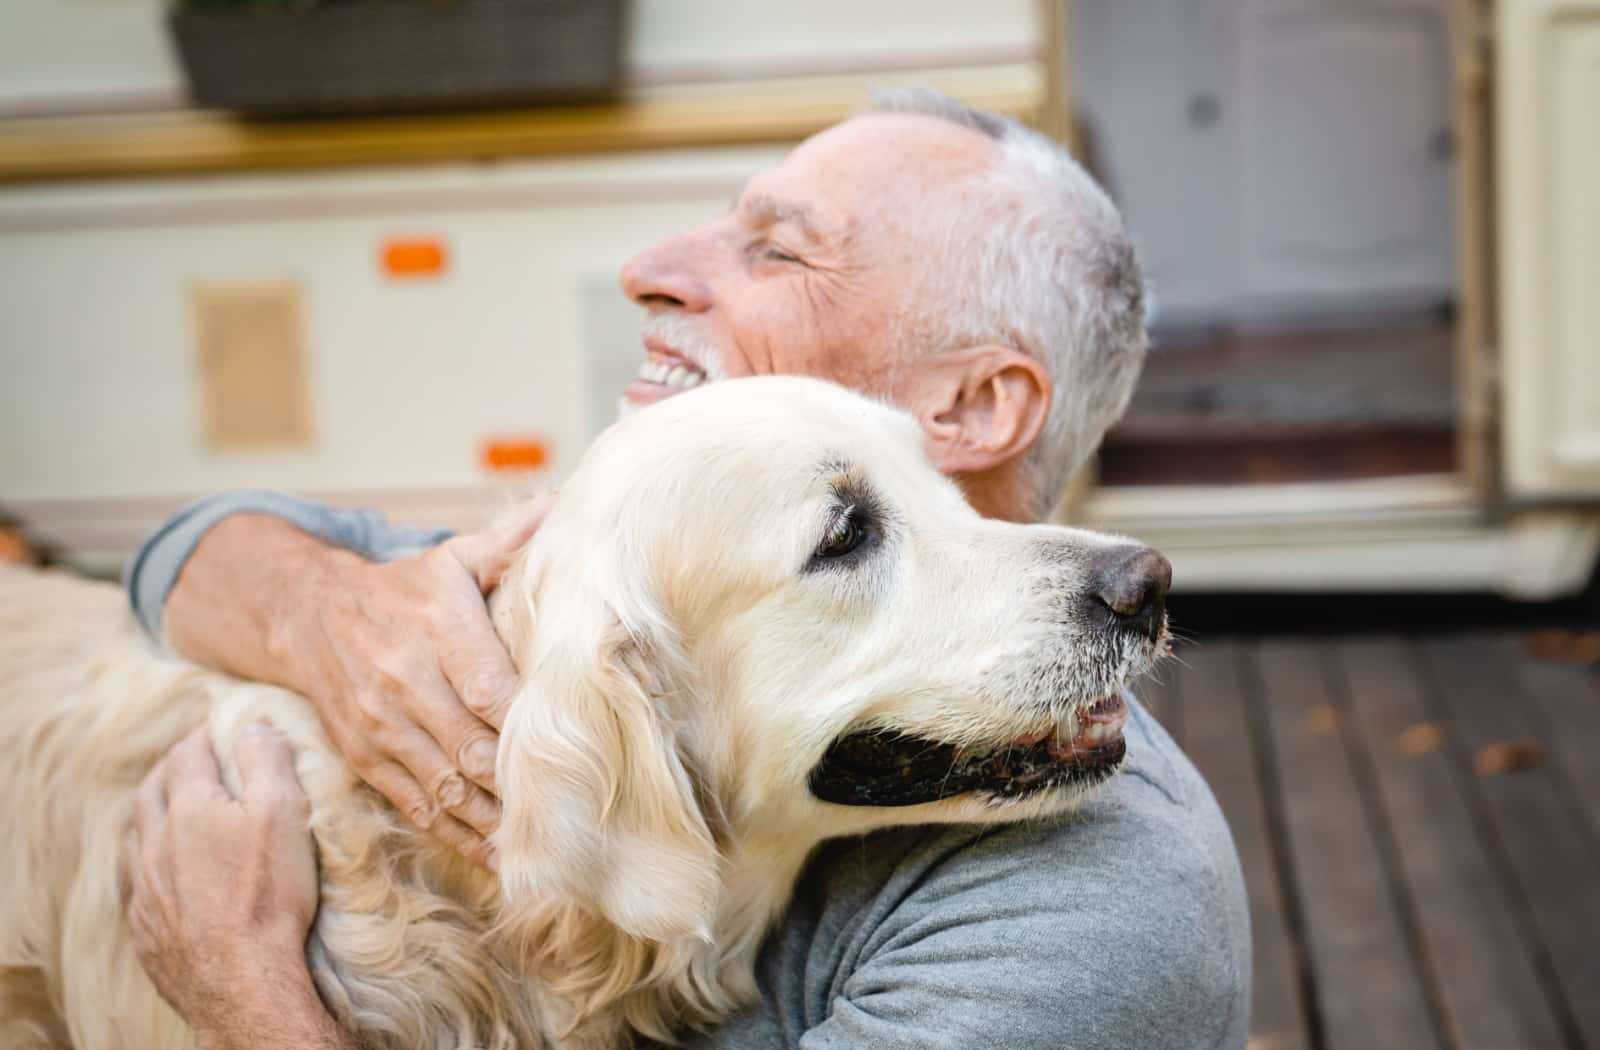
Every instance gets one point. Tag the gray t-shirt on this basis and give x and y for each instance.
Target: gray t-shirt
(1122, 926)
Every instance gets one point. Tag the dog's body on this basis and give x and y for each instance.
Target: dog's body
(748, 599)
(402, 929)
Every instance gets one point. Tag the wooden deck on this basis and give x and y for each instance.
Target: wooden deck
(1419, 823)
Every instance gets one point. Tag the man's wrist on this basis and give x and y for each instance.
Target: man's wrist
(281, 1011)
(240, 590)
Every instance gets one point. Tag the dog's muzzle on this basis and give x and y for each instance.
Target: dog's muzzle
(886, 767)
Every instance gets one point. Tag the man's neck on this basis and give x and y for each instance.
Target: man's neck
(1002, 494)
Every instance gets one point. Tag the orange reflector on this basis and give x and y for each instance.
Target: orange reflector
(510, 454)
(423, 257)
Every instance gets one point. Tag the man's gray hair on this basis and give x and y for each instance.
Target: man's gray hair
(1037, 258)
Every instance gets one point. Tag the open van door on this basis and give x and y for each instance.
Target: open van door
(1547, 128)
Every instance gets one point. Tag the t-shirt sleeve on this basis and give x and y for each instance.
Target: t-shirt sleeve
(152, 571)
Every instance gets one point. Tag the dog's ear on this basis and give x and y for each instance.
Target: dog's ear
(600, 809)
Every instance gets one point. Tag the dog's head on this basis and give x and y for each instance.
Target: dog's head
(757, 617)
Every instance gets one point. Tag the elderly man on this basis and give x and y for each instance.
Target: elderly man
(946, 259)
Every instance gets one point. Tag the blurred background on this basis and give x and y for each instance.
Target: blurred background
(367, 250)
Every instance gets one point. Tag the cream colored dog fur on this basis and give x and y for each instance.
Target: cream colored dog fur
(690, 642)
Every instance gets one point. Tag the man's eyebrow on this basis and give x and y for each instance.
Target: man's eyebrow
(765, 209)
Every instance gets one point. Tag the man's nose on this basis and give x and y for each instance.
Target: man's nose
(1131, 583)
(667, 274)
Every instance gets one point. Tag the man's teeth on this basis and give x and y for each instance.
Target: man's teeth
(671, 375)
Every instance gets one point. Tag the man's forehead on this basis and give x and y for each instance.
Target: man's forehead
(856, 163)
(912, 141)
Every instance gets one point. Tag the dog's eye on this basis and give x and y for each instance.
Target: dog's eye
(847, 533)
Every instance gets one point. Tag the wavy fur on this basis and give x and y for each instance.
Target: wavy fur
(681, 671)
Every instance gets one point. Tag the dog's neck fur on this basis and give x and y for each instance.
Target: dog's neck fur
(597, 985)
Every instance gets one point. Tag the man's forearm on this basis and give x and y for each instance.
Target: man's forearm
(153, 571)
(245, 580)
(286, 1015)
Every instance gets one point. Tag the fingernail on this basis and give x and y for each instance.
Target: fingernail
(480, 758)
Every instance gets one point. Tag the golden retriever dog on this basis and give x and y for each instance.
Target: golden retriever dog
(755, 618)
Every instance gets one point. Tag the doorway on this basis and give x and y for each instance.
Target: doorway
(1286, 169)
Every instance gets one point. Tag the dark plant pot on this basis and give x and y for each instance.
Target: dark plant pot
(390, 56)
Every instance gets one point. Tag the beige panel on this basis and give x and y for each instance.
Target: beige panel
(250, 347)
(407, 378)
(1549, 153)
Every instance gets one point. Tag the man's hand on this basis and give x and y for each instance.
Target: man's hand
(400, 658)
(411, 680)
(222, 891)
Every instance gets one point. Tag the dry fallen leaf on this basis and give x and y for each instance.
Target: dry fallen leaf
(1323, 719)
(1549, 644)
(1507, 756)
(1563, 646)
(1586, 648)
(1423, 738)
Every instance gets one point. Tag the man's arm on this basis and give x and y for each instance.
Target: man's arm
(398, 657)
(154, 569)
(221, 894)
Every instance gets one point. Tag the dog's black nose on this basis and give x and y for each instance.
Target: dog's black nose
(1132, 583)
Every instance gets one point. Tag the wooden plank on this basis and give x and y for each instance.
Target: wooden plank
(1567, 698)
(677, 117)
(1478, 957)
(1546, 844)
(1218, 738)
(1369, 992)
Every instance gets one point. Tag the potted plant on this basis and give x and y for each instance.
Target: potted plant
(308, 57)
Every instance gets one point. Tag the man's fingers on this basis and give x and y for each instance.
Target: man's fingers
(266, 765)
(445, 787)
(487, 555)
(402, 790)
(464, 841)
(461, 735)
(473, 806)
(192, 766)
(393, 782)
(480, 671)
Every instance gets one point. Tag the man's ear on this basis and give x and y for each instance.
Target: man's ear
(982, 407)
(599, 809)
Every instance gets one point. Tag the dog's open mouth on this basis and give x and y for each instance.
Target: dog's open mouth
(884, 767)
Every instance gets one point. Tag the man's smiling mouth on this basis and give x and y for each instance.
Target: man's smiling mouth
(682, 376)
(677, 357)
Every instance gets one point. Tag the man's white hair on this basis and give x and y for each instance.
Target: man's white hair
(1035, 256)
